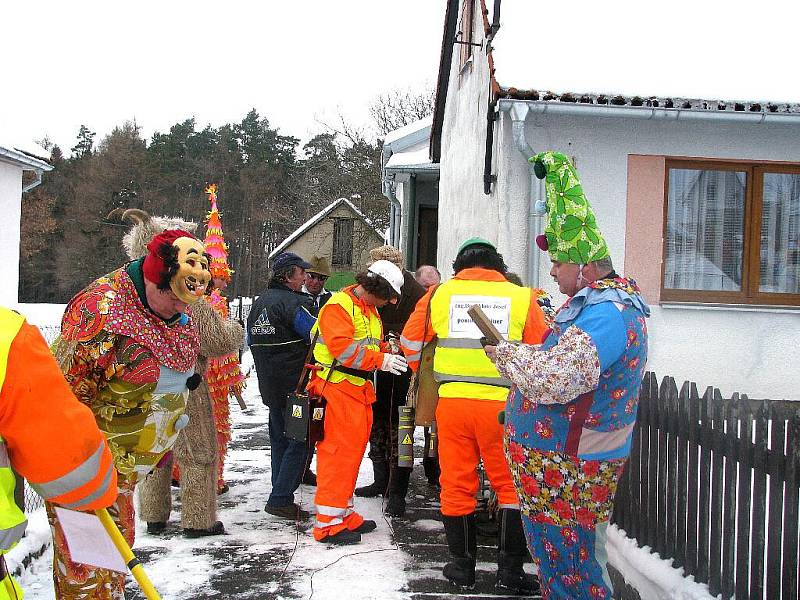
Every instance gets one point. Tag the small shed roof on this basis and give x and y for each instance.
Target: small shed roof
(317, 218)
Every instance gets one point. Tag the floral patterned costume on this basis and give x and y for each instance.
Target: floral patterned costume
(569, 424)
(130, 367)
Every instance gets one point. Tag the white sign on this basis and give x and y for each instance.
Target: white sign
(88, 541)
(461, 324)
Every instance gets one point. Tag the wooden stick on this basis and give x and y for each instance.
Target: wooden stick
(488, 330)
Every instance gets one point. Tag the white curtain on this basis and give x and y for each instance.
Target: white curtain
(705, 230)
(780, 234)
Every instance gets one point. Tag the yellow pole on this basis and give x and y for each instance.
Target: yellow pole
(130, 558)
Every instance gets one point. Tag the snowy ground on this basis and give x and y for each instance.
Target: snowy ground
(265, 557)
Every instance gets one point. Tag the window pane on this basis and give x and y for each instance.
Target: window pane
(780, 234)
(705, 230)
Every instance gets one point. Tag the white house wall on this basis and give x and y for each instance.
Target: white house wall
(10, 193)
(464, 210)
(753, 352)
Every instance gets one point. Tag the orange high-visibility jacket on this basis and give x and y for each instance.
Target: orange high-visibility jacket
(52, 438)
(419, 329)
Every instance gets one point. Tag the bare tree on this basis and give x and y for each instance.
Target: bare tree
(399, 108)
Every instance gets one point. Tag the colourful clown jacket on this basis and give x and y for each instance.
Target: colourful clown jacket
(570, 417)
(129, 366)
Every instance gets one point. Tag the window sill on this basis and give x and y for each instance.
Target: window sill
(764, 308)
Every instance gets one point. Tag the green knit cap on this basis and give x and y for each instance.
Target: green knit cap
(570, 234)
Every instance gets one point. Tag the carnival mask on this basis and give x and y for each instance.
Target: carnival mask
(192, 278)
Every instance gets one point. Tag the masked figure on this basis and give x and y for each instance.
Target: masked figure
(128, 348)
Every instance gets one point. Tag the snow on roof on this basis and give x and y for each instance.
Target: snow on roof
(31, 156)
(408, 130)
(683, 55)
(414, 160)
(316, 219)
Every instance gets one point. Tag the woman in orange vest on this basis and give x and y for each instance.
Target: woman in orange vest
(46, 435)
(349, 350)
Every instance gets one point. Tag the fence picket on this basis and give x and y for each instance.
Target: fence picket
(693, 470)
(634, 481)
(790, 500)
(776, 463)
(682, 436)
(652, 483)
(661, 535)
(745, 457)
(759, 503)
(670, 402)
(717, 466)
(704, 439)
(729, 497)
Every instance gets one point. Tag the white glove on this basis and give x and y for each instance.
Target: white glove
(394, 364)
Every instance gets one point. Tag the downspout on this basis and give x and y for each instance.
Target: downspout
(389, 187)
(518, 111)
(35, 182)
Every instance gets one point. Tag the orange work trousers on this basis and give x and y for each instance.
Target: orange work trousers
(468, 432)
(348, 420)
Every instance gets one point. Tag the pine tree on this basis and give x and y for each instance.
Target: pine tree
(85, 142)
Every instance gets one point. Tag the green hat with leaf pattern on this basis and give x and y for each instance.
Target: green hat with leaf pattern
(570, 234)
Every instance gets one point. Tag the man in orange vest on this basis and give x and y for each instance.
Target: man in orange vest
(46, 435)
(349, 350)
(471, 395)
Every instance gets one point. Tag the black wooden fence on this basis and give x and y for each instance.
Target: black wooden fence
(713, 484)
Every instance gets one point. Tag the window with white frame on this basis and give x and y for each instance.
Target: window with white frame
(732, 233)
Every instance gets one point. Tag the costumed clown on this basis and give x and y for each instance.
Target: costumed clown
(570, 418)
(128, 348)
(195, 448)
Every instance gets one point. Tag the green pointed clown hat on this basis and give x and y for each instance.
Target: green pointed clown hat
(570, 233)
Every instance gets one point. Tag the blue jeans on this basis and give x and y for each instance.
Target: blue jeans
(288, 458)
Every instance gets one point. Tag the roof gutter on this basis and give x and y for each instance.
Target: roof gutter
(26, 163)
(649, 112)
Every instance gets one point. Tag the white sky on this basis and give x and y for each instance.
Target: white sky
(684, 48)
(101, 63)
(104, 62)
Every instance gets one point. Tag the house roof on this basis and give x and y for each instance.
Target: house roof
(524, 70)
(24, 158)
(317, 218)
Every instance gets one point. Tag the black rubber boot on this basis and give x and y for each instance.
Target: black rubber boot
(463, 547)
(512, 552)
(377, 487)
(396, 504)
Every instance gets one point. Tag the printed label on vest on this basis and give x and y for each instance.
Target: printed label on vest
(319, 413)
(297, 411)
(407, 439)
(262, 326)
(462, 325)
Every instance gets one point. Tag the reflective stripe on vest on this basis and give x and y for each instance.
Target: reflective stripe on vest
(366, 336)
(459, 363)
(12, 519)
(77, 477)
